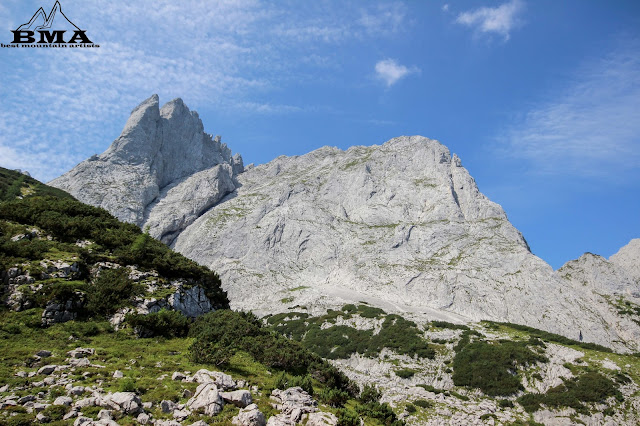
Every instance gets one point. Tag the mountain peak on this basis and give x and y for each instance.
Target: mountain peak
(158, 149)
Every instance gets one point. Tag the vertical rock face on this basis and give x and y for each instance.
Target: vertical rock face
(162, 158)
(402, 226)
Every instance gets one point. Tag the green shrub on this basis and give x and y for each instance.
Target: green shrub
(590, 387)
(369, 394)
(369, 311)
(405, 373)
(445, 324)
(221, 334)
(127, 384)
(285, 381)
(423, 403)
(55, 412)
(333, 397)
(551, 337)
(493, 367)
(111, 291)
(164, 323)
(410, 409)
(381, 412)
(349, 308)
(341, 341)
(505, 403)
(347, 417)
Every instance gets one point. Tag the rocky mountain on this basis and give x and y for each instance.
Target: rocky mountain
(402, 226)
(161, 173)
(627, 258)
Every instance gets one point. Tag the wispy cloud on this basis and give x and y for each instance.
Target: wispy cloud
(59, 106)
(390, 71)
(500, 20)
(590, 129)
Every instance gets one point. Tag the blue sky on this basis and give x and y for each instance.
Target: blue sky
(540, 99)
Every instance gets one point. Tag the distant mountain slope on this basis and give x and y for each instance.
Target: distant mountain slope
(162, 172)
(402, 226)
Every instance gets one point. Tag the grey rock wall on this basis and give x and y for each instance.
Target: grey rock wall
(163, 161)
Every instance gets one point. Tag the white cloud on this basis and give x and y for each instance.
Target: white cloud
(445, 7)
(590, 129)
(67, 104)
(500, 20)
(390, 71)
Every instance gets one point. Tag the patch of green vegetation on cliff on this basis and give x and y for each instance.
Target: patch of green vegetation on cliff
(322, 336)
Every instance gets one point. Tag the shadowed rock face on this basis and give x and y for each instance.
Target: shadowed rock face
(402, 226)
(162, 172)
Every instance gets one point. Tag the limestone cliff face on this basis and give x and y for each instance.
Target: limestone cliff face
(162, 172)
(401, 225)
(628, 258)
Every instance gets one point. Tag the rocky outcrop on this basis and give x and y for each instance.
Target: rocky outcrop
(628, 258)
(402, 226)
(162, 172)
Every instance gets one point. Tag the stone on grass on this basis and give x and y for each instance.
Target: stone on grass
(207, 398)
(239, 398)
(321, 419)
(127, 402)
(168, 406)
(177, 376)
(143, 418)
(47, 369)
(250, 416)
(63, 400)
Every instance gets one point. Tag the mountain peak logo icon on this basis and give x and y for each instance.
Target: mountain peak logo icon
(52, 30)
(56, 19)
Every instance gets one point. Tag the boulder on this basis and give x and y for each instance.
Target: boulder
(239, 398)
(320, 419)
(63, 400)
(222, 381)
(47, 369)
(207, 399)
(250, 416)
(81, 352)
(126, 402)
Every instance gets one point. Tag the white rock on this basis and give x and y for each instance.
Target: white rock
(206, 398)
(63, 400)
(168, 406)
(177, 376)
(239, 398)
(143, 418)
(118, 374)
(127, 402)
(81, 352)
(250, 416)
(321, 419)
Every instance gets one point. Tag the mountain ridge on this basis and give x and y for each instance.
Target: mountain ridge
(402, 224)
(158, 150)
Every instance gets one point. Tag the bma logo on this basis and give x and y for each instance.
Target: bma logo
(55, 30)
